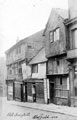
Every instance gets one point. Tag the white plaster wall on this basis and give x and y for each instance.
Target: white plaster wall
(41, 71)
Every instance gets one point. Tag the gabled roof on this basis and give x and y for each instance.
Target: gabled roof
(60, 12)
(34, 38)
(39, 58)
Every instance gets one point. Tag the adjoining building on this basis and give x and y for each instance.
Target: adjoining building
(37, 84)
(72, 50)
(17, 57)
(55, 35)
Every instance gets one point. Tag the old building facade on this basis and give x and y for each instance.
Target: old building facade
(56, 52)
(72, 50)
(38, 78)
(17, 57)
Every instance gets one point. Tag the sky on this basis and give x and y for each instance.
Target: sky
(21, 18)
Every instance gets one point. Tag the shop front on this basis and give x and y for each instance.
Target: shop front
(35, 90)
(20, 91)
(10, 89)
(73, 82)
(59, 89)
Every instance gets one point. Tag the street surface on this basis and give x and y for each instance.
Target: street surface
(14, 112)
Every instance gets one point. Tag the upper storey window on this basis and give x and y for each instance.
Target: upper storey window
(51, 36)
(35, 68)
(54, 35)
(18, 50)
(74, 38)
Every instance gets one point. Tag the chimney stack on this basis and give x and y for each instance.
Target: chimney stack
(72, 7)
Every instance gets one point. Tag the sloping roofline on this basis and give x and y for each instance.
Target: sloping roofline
(25, 40)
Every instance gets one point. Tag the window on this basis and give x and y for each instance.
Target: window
(74, 38)
(20, 70)
(34, 68)
(61, 80)
(19, 49)
(10, 72)
(58, 62)
(75, 91)
(56, 34)
(51, 36)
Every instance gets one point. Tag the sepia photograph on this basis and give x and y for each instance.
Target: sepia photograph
(38, 59)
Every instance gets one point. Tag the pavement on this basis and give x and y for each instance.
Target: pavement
(71, 111)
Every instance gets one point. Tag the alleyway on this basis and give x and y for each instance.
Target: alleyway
(14, 112)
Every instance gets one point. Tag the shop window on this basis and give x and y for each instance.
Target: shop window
(75, 91)
(35, 68)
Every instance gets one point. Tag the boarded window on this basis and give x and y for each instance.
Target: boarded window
(39, 90)
(35, 68)
(17, 91)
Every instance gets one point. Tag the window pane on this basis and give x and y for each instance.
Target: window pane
(57, 34)
(75, 91)
(75, 38)
(51, 36)
(54, 35)
(34, 68)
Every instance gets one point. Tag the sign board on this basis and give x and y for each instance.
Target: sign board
(26, 71)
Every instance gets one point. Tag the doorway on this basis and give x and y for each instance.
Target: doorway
(34, 92)
(51, 92)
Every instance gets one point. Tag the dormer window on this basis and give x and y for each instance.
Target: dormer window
(54, 35)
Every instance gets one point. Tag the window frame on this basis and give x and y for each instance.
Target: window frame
(55, 36)
(34, 66)
(73, 38)
(51, 36)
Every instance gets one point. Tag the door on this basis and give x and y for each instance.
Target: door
(25, 92)
(34, 92)
(52, 92)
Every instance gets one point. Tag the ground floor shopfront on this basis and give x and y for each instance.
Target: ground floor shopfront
(73, 81)
(10, 89)
(31, 90)
(59, 89)
(36, 90)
